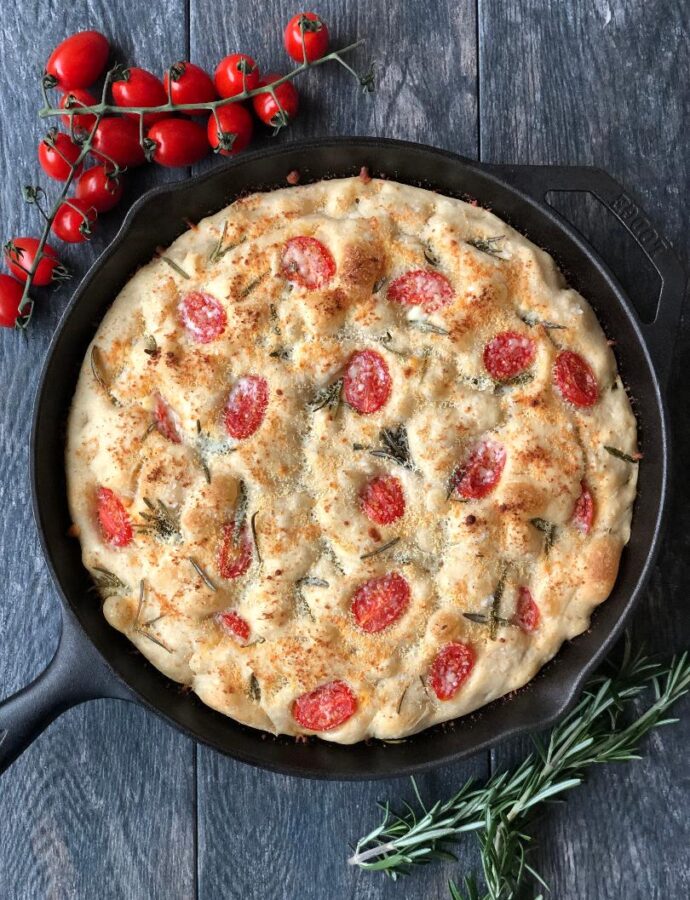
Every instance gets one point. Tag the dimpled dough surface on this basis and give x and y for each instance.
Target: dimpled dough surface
(284, 503)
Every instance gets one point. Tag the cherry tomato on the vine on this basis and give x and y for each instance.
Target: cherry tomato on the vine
(99, 188)
(10, 297)
(20, 254)
(276, 114)
(79, 60)
(177, 142)
(234, 74)
(74, 221)
(137, 87)
(57, 153)
(116, 140)
(230, 129)
(306, 35)
(73, 100)
(189, 84)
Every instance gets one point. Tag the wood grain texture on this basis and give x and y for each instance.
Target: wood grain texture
(102, 804)
(599, 83)
(112, 803)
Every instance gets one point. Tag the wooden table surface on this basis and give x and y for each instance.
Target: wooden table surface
(110, 802)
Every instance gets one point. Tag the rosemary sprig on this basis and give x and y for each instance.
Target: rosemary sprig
(531, 319)
(174, 266)
(255, 537)
(328, 396)
(426, 327)
(108, 581)
(99, 375)
(620, 454)
(254, 688)
(241, 506)
(201, 572)
(548, 529)
(490, 245)
(381, 549)
(596, 731)
(163, 521)
(395, 446)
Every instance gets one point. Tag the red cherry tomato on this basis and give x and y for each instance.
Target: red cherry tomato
(202, 316)
(383, 500)
(527, 613)
(178, 142)
(367, 382)
(234, 74)
(137, 87)
(79, 60)
(20, 254)
(230, 129)
(270, 111)
(482, 471)
(326, 707)
(234, 625)
(583, 514)
(99, 188)
(380, 601)
(11, 292)
(508, 354)
(117, 140)
(234, 555)
(113, 518)
(246, 406)
(307, 262)
(420, 287)
(167, 421)
(189, 84)
(57, 152)
(75, 221)
(306, 36)
(450, 669)
(73, 100)
(575, 380)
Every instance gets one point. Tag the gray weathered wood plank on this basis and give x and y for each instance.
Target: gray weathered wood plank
(102, 804)
(600, 84)
(267, 835)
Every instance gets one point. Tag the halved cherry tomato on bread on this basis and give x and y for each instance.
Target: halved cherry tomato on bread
(233, 624)
(114, 520)
(57, 153)
(79, 60)
(75, 99)
(203, 316)
(307, 262)
(482, 471)
(11, 292)
(280, 110)
(380, 601)
(167, 421)
(230, 129)
(116, 140)
(177, 142)
(326, 707)
(366, 382)
(450, 669)
(234, 74)
(246, 406)
(99, 188)
(75, 221)
(236, 551)
(306, 37)
(383, 500)
(20, 254)
(138, 87)
(583, 514)
(527, 613)
(421, 287)
(508, 354)
(189, 84)
(575, 380)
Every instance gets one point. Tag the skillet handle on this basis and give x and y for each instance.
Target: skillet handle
(661, 333)
(76, 673)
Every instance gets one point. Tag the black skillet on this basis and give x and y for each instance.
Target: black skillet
(93, 660)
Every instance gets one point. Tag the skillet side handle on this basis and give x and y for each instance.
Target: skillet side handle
(661, 333)
(75, 674)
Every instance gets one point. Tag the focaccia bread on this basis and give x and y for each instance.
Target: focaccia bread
(351, 459)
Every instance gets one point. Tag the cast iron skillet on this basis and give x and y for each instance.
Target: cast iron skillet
(93, 660)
